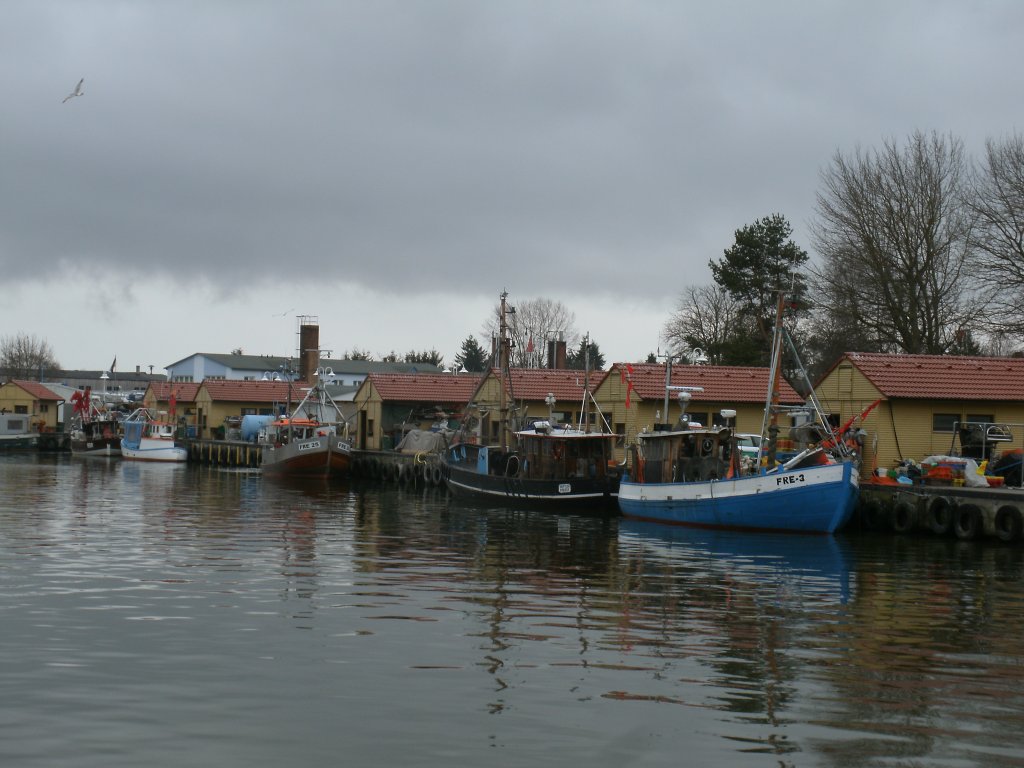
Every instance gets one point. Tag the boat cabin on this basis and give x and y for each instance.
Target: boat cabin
(282, 431)
(542, 454)
(549, 456)
(684, 456)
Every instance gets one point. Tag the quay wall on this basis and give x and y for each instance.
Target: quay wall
(960, 511)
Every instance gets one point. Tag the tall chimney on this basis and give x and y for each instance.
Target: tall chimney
(309, 348)
(556, 354)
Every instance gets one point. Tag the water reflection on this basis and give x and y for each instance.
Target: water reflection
(147, 607)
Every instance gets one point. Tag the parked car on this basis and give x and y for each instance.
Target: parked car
(748, 444)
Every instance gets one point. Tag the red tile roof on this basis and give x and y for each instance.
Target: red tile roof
(37, 390)
(184, 392)
(721, 383)
(425, 387)
(941, 377)
(253, 391)
(535, 383)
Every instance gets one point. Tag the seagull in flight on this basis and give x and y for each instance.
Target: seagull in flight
(76, 92)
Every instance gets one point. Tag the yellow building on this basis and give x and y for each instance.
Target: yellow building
(220, 404)
(158, 400)
(528, 390)
(390, 404)
(632, 397)
(921, 399)
(36, 401)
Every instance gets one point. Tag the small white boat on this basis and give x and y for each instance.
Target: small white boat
(16, 432)
(147, 438)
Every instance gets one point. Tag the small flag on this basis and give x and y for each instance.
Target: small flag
(113, 365)
(628, 376)
(529, 346)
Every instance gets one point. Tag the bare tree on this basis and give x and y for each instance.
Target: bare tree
(705, 317)
(531, 324)
(997, 200)
(894, 236)
(24, 356)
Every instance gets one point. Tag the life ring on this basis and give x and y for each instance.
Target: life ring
(1008, 523)
(512, 466)
(968, 522)
(706, 446)
(941, 514)
(873, 514)
(904, 516)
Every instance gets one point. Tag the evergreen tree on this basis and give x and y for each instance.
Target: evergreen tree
(762, 262)
(433, 357)
(578, 360)
(472, 356)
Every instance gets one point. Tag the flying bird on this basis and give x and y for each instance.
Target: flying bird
(76, 92)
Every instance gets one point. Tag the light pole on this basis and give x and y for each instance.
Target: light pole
(550, 400)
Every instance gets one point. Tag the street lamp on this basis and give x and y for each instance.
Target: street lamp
(550, 400)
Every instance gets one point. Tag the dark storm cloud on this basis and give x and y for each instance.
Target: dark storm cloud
(413, 146)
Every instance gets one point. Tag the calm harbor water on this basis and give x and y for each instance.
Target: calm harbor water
(184, 616)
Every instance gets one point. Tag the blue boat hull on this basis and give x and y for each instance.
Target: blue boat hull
(818, 499)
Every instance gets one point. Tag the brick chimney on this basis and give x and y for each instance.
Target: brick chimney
(556, 354)
(309, 348)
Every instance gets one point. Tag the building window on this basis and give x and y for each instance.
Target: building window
(369, 427)
(44, 408)
(22, 409)
(978, 419)
(620, 435)
(944, 422)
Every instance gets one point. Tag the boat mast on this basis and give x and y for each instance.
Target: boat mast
(503, 362)
(770, 426)
(584, 421)
(668, 386)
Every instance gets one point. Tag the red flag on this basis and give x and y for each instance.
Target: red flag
(529, 346)
(173, 403)
(629, 382)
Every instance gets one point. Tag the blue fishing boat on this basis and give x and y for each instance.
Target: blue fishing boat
(697, 476)
(148, 438)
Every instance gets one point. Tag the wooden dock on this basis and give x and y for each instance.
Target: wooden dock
(382, 466)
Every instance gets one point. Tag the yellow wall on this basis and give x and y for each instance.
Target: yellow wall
(643, 414)
(369, 407)
(902, 429)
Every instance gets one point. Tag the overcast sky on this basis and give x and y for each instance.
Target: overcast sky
(391, 167)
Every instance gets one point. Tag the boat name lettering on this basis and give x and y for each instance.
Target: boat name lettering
(789, 479)
(564, 488)
(342, 446)
(309, 446)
